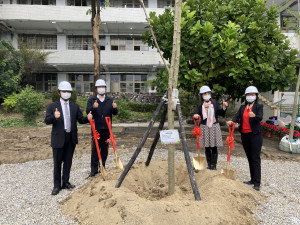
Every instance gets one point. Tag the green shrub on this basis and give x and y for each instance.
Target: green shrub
(10, 102)
(55, 95)
(141, 107)
(12, 122)
(123, 112)
(82, 101)
(30, 103)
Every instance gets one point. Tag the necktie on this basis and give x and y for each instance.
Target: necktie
(67, 118)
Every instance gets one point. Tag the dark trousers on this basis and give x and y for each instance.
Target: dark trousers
(63, 155)
(104, 135)
(252, 145)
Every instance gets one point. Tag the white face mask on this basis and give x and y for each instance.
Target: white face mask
(207, 97)
(250, 99)
(101, 91)
(66, 95)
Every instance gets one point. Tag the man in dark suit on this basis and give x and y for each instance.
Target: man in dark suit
(101, 106)
(63, 115)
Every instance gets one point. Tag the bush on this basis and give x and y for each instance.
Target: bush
(141, 107)
(188, 102)
(123, 112)
(10, 102)
(82, 102)
(56, 96)
(30, 103)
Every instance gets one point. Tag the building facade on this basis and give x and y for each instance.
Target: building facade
(63, 28)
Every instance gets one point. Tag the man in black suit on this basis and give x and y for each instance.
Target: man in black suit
(101, 106)
(63, 115)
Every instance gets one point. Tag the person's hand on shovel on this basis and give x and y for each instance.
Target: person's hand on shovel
(90, 116)
(56, 114)
(196, 116)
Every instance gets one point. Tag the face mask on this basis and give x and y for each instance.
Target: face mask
(101, 91)
(66, 95)
(206, 97)
(250, 99)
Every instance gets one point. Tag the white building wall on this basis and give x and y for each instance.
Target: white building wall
(152, 4)
(61, 2)
(61, 42)
(61, 77)
(107, 43)
(15, 41)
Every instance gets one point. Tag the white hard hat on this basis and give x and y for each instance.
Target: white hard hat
(251, 89)
(64, 86)
(100, 82)
(204, 89)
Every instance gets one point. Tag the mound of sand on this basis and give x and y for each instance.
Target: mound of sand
(143, 198)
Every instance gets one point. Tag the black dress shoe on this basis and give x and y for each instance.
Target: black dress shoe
(248, 182)
(55, 191)
(256, 187)
(93, 174)
(67, 186)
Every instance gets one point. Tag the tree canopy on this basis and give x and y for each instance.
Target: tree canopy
(228, 45)
(11, 69)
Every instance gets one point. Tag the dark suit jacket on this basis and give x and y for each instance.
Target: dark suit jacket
(58, 131)
(254, 122)
(105, 109)
(217, 108)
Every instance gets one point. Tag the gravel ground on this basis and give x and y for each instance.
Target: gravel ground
(25, 189)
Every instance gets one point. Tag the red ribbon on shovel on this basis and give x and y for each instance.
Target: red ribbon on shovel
(112, 137)
(197, 131)
(230, 140)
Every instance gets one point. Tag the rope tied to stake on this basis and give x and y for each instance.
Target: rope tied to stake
(197, 131)
(230, 140)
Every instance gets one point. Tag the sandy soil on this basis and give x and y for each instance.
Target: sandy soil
(143, 199)
(19, 145)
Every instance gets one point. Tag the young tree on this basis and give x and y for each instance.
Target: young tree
(96, 23)
(11, 69)
(227, 44)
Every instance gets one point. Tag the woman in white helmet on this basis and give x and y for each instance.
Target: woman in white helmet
(208, 112)
(249, 116)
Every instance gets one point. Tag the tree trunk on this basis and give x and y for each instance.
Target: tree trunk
(294, 108)
(173, 76)
(96, 22)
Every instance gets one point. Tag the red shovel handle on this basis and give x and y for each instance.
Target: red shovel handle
(108, 122)
(96, 137)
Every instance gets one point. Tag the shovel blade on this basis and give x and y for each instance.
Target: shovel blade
(228, 173)
(103, 172)
(119, 163)
(199, 163)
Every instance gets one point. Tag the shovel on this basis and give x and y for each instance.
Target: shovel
(112, 139)
(199, 162)
(230, 140)
(96, 138)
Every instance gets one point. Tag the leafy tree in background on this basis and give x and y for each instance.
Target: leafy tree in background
(34, 61)
(228, 45)
(11, 69)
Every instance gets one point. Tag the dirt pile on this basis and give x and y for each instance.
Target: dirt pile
(143, 198)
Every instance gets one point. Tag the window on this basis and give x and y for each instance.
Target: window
(78, 2)
(43, 81)
(83, 82)
(37, 2)
(128, 43)
(288, 21)
(39, 41)
(165, 3)
(127, 3)
(132, 83)
(83, 42)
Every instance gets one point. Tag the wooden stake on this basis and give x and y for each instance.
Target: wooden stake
(187, 156)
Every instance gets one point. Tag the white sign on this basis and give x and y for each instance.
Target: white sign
(169, 137)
